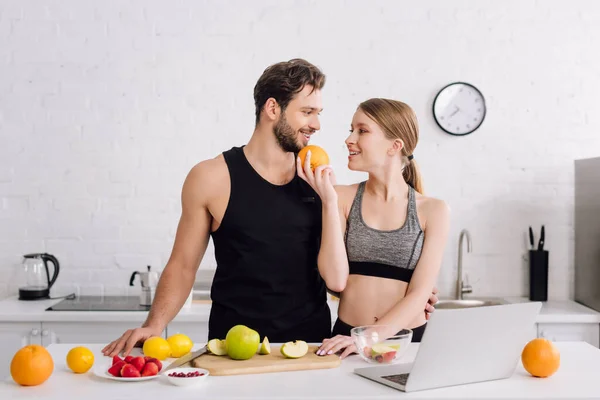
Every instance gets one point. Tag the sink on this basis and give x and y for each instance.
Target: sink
(447, 304)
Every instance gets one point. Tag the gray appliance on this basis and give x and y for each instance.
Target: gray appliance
(587, 232)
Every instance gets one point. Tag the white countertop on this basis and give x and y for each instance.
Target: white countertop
(562, 312)
(576, 378)
(14, 310)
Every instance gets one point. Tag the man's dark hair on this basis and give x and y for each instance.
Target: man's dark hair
(282, 81)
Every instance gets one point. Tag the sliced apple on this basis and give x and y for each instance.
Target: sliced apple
(295, 349)
(380, 348)
(217, 347)
(265, 347)
(383, 353)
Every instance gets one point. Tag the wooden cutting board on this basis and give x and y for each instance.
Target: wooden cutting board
(259, 364)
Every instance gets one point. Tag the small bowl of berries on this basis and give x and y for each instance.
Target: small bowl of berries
(186, 376)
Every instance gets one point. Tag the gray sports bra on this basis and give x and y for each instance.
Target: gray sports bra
(387, 254)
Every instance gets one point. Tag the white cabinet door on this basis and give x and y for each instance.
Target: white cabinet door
(13, 336)
(570, 332)
(83, 332)
(197, 331)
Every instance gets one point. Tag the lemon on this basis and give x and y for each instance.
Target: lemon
(157, 347)
(217, 347)
(80, 359)
(180, 344)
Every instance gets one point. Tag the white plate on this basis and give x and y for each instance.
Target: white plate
(101, 370)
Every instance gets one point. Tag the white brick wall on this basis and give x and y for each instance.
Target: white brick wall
(105, 106)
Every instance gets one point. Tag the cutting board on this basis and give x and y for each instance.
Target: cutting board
(259, 364)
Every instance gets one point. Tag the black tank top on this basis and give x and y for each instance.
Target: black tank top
(266, 251)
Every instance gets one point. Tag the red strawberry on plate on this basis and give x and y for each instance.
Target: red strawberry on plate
(115, 370)
(155, 361)
(116, 359)
(129, 371)
(150, 369)
(138, 363)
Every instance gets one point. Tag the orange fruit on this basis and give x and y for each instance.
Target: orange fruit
(318, 156)
(31, 366)
(540, 358)
(80, 359)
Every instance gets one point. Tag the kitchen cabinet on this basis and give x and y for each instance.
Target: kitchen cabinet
(197, 331)
(557, 332)
(13, 336)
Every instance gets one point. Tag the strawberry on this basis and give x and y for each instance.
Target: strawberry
(150, 369)
(138, 363)
(129, 371)
(115, 370)
(155, 361)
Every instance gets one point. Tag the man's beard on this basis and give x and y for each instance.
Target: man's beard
(287, 139)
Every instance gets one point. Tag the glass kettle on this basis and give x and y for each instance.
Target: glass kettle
(34, 279)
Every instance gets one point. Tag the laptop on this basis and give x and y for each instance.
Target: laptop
(461, 346)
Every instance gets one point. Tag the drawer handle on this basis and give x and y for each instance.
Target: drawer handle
(44, 332)
(34, 332)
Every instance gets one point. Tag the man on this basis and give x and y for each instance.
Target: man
(265, 223)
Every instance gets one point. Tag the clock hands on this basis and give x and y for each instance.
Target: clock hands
(457, 110)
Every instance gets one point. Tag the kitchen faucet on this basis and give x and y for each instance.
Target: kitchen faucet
(461, 288)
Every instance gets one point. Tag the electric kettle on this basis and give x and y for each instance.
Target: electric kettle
(33, 277)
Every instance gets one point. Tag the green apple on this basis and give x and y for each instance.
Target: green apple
(217, 347)
(242, 342)
(265, 347)
(295, 349)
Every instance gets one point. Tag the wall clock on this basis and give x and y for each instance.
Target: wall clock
(459, 108)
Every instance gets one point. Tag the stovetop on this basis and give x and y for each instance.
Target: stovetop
(100, 303)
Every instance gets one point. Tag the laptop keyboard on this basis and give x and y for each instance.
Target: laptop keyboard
(399, 378)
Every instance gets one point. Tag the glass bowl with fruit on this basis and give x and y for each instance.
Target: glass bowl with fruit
(375, 348)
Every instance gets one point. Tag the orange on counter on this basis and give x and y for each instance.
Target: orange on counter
(540, 358)
(80, 359)
(31, 366)
(318, 156)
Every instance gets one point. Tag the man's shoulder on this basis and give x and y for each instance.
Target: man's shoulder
(209, 169)
(206, 177)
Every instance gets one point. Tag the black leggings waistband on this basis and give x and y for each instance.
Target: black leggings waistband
(342, 328)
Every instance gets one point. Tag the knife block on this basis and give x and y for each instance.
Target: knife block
(538, 275)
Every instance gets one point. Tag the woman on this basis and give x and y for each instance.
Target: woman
(382, 237)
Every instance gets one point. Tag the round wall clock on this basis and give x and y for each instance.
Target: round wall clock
(459, 108)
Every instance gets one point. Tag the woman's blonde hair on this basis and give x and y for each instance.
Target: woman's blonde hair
(398, 121)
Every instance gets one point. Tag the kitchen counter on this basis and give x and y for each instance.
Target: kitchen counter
(562, 312)
(14, 310)
(576, 378)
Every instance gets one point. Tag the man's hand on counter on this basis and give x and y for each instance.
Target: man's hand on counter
(129, 340)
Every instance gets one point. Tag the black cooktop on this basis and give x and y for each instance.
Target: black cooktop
(100, 303)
